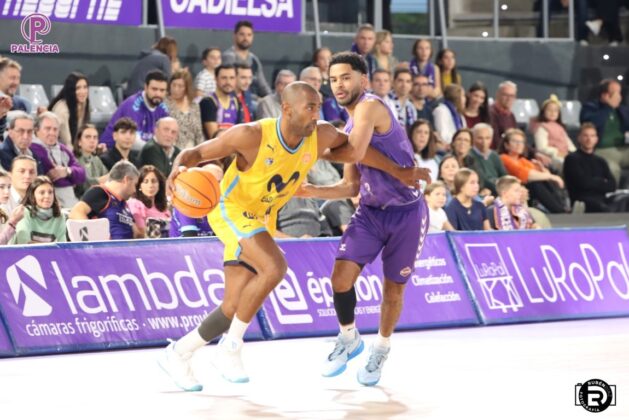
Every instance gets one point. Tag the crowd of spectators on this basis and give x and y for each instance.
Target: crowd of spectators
(488, 172)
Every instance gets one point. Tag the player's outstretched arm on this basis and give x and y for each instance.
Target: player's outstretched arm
(341, 151)
(238, 139)
(347, 187)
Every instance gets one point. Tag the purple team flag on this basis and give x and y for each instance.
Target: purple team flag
(106, 12)
(266, 15)
(6, 349)
(113, 294)
(546, 274)
(302, 304)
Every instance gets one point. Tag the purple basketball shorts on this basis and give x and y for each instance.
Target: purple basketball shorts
(398, 232)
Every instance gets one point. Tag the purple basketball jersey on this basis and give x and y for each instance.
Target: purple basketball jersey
(377, 188)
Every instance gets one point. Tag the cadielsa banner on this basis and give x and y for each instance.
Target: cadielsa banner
(265, 15)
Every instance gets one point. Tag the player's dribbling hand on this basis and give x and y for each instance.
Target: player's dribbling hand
(170, 182)
(305, 190)
(411, 176)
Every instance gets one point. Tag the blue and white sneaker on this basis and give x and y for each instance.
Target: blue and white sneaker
(370, 374)
(227, 360)
(344, 351)
(178, 368)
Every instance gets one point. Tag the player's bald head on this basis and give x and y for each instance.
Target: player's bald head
(299, 91)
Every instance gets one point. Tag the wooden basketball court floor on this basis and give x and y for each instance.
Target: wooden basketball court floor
(526, 371)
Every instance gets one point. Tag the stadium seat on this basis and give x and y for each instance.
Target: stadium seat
(570, 111)
(102, 104)
(35, 94)
(54, 90)
(524, 110)
(88, 230)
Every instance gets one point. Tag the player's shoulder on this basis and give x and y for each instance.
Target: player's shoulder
(369, 105)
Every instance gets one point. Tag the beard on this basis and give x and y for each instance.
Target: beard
(244, 45)
(351, 97)
(154, 101)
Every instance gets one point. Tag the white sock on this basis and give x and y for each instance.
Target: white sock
(347, 331)
(382, 342)
(189, 343)
(237, 329)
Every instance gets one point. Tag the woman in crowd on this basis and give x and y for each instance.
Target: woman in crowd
(464, 212)
(421, 64)
(8, 222)
(43, 221)
(435, 194)
(383, 51)
(150, 198)
(448, 115)
(72, 107)
(477, 105)
(551, 137)
(321, 60)
(162, 56)
(461, 146)
(544, 186)
(446, 61)
(182, 107)
(448, 168)
(425, 146)
(85, 152)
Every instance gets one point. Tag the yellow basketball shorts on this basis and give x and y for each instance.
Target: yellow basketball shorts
(231, 223)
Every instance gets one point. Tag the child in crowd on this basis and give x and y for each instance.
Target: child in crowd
(205, 82)
(464, 212)
(85, 147)
(43, 221)
(551, 137)
(150, 200)
(435, 194)
(508, 213)
(8, 222)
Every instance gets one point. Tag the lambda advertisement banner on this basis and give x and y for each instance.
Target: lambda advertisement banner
(544, 275)
(109, 12)
(117, 294)
(302, 304)
(266, 15)
(6, 349)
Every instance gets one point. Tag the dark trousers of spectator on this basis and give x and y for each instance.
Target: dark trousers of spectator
(598, 204)
(548, 195)
(580, 16)
(609, 12)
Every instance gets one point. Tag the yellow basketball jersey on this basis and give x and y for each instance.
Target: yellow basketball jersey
(275, 175)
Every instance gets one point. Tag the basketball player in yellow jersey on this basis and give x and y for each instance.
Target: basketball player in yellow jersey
(273, 158)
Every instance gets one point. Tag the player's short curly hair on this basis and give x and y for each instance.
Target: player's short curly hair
(356, 61)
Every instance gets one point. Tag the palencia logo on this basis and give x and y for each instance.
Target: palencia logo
(137, 289)
(27, 284)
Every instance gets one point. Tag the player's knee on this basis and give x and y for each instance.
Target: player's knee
(276, 271)
(229, 308)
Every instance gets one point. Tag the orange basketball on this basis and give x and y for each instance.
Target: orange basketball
(196, 192)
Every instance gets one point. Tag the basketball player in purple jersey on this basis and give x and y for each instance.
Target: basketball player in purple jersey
(390, 217)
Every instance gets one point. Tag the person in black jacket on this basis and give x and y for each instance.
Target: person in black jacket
(588, 177)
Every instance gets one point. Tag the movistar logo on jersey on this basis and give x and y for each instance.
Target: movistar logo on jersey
(279, 183)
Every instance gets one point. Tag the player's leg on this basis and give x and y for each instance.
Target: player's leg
(263, 255)
(176, 359)
(360, 245)
(407, 231)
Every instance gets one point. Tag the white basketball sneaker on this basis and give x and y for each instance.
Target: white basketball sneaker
(178, 368)
(227, 360)
(370, 374)
(344, 351)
